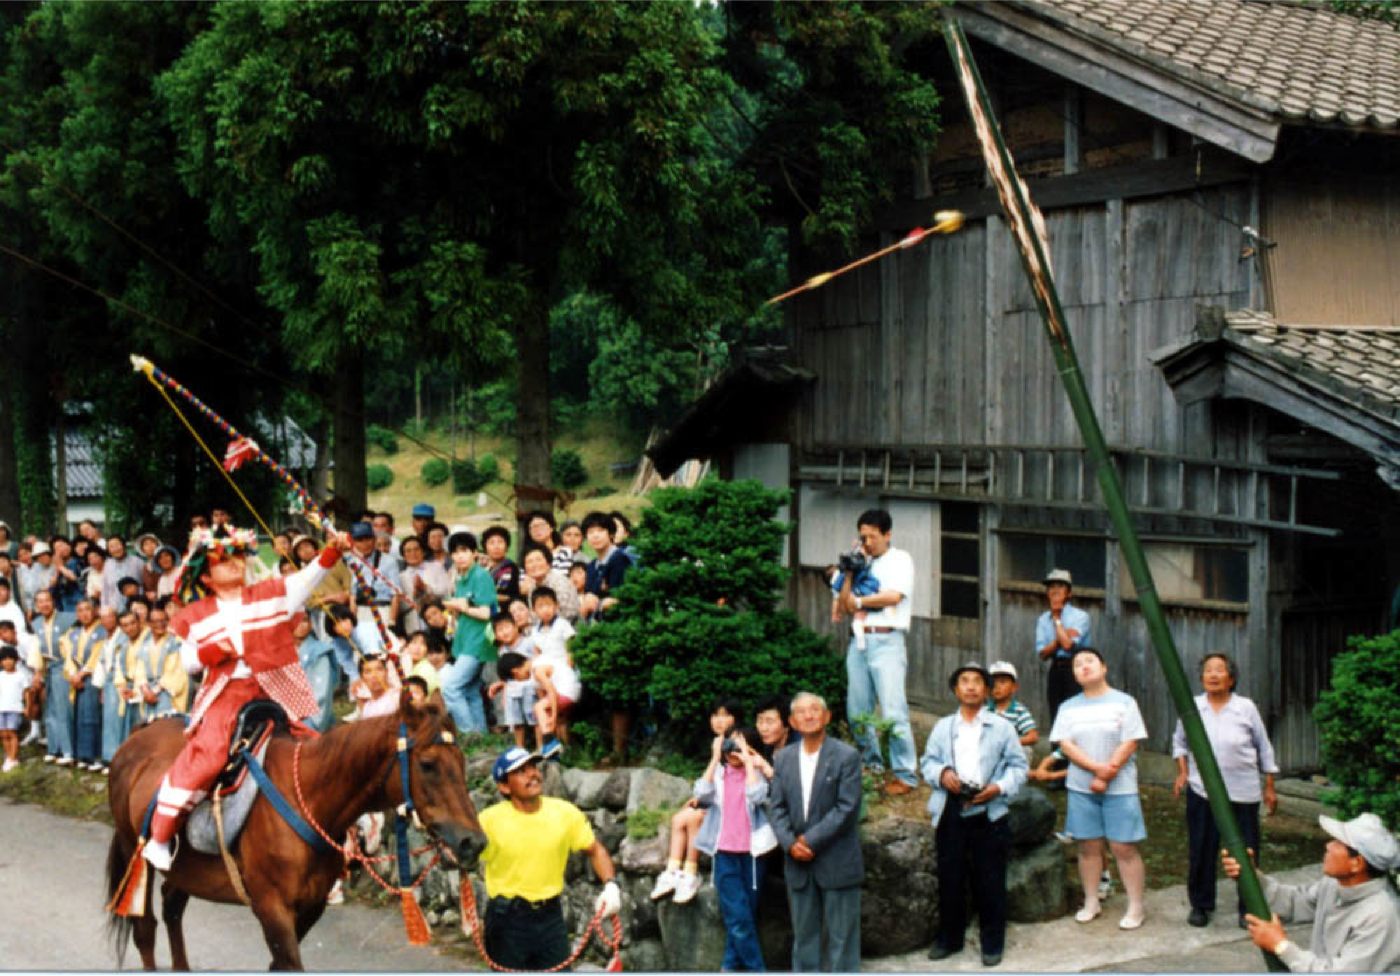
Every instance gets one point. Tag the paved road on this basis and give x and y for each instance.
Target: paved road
(1164, 944)
(51, 873)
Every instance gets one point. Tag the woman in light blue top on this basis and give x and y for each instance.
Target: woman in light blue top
(1243, 751)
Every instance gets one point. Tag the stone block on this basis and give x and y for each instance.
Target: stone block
(1031, 817)
(1035, 884)
(608, 828)
(898, 900)
(585, 788)
(645, 856)
(644, 956)
(654, 790)
(693, 933)
(614, 795)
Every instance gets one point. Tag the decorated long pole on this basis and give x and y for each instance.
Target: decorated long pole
(944, 222)
(1028, 229)
(242, 448)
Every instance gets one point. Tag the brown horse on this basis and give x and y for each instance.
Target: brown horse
(344, 773)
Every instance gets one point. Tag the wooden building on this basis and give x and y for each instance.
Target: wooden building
(1221, 186)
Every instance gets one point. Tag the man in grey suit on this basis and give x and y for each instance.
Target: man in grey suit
(814, 808)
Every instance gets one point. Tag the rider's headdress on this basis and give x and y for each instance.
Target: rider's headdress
(209, 546)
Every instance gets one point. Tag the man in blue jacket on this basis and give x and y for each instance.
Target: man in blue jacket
(974, 763)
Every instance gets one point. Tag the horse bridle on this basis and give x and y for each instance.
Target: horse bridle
(407, 811)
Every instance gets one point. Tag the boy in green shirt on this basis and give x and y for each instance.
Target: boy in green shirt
(473, 599)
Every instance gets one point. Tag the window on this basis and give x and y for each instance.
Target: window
(1026, 558)
(959, 584)
(1185, 573)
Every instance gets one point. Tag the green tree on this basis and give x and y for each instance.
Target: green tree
(87, 188)
(1359, 721)
(700, 615)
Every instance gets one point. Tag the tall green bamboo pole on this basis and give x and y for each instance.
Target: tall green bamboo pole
(1047, 297)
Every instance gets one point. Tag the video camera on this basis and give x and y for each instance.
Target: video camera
(853, 563)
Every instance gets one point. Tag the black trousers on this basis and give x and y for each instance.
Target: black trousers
(1060, 685)
(522, 936)
(1204, 839)
(971, 849)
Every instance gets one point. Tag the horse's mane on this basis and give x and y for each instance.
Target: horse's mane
(344, 743)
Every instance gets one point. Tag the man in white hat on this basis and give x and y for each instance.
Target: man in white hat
(1059, 632)
(1354, 909)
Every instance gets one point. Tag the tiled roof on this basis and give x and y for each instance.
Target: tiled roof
(1303, 62)
(1359, 362)
(282, 438)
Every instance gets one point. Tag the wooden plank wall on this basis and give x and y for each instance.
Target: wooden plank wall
(1337, 239)
(943, 342)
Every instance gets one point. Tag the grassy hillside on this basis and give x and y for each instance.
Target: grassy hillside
(597, 445)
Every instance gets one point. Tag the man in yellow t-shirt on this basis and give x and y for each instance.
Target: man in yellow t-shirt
(529, 838)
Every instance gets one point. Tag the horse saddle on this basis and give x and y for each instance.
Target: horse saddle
(235, 789)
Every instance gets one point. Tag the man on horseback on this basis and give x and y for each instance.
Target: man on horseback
(240, 635)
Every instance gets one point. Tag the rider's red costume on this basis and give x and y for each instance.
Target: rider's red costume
(246, 650)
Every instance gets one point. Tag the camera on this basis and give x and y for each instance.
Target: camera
(853, 563)
(968, 791)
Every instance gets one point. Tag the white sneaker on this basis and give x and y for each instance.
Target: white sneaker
(1133, 920)
(1105, 886)
(687, 887)
(63, 761)
(158, 854)
(50, 759)
(1088, 913)
(9, 765)
(32, 737)
(665, 884)
(337, 894)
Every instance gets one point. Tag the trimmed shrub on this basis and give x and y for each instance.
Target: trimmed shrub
(566, 469)
(467, 477)
(382, 438)
(1358, 719)
(378, 477)
(489, 468)
(434, 472)
(698, 617)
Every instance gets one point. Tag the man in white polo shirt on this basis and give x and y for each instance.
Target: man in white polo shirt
(875, 672)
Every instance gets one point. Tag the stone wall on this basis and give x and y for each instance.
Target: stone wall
(900, 898)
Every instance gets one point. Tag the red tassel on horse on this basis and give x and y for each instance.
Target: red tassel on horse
(129, 901)
(413, 921)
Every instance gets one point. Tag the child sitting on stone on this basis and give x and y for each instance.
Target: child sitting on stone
(681, 879)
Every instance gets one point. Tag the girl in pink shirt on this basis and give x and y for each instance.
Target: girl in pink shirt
(736, 834)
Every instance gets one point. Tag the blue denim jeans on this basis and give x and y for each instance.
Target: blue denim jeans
(738, 880)
(873, 675)
(461, 692)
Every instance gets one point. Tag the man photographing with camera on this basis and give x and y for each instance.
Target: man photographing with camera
(876, 665)
(975, 765)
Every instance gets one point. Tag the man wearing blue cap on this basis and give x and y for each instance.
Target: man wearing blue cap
(373, 591)
(423, 517)
(529, 838)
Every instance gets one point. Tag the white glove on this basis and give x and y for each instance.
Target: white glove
(609, 900)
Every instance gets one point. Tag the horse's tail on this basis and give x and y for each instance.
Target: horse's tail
(118, 926)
